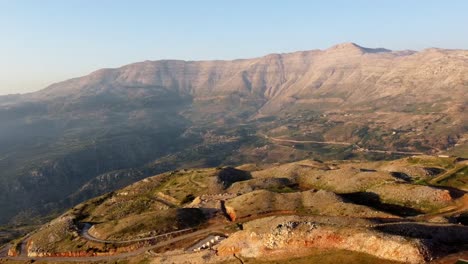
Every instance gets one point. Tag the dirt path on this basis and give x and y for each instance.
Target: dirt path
(393, 152)
(206, 231)
(219, 228)
(461, 206)
(199, 184)
(85, 234)
(446, 174)
(341, 143)
(306, 141)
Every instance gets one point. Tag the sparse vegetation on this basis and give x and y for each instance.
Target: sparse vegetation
(325, 257)
(344, 191)
(457, 179)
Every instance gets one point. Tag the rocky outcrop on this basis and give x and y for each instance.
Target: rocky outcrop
(284, 237)
(230, 211)
(12, 252)
(262, 202)
(424, 198)
(109, 252)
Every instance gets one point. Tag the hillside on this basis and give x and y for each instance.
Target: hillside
(89, 135)
(218, 215)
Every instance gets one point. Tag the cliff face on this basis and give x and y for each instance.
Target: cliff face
(344, 74)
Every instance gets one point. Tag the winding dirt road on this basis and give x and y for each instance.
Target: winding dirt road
(460, 206)
(120, 256)
(447, 174)
(193, 181)
(219, 228)
(85, 234)
(340, 143)
(306, 141)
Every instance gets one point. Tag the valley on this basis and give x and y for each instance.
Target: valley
(354, 151)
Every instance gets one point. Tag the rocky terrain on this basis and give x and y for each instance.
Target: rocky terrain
(313, 201)
(86, 136)
(285, 236)
(282, 237)
(268, 213)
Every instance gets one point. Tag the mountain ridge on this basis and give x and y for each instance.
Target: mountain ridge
(348, 48)
(188, 76)
(214, 112)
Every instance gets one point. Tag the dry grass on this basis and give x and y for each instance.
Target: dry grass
(304, 203)
(325, 257)
(134, 226)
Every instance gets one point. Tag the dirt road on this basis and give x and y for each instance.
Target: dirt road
(85, 234)
(206, 231)
(306, 141)
(341, 143)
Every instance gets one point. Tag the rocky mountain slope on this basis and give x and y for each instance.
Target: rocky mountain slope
(278, 212)
(88, 135)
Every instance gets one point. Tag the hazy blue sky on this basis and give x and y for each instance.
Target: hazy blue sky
(45, 41)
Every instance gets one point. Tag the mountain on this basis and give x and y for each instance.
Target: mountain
(89, 135)
(399, 211)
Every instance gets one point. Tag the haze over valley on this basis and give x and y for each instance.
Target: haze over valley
(345, 154)
(115, 126)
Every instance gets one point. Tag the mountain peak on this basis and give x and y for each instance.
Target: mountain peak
(353, 47)
(346, 45)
